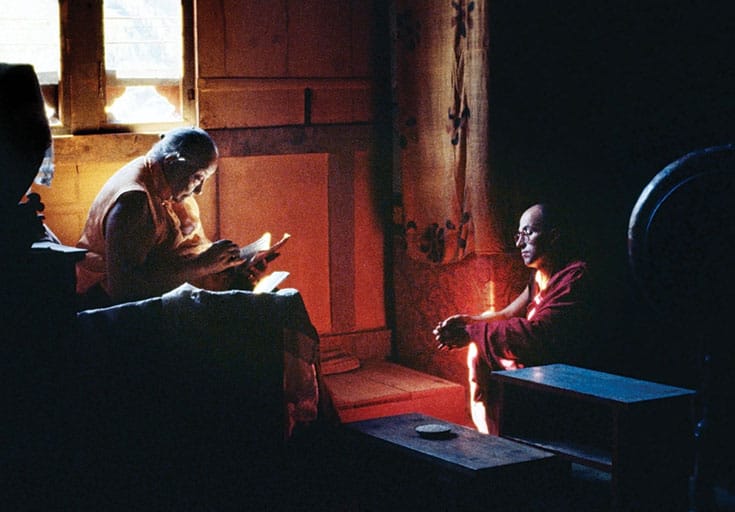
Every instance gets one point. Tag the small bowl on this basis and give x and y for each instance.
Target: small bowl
(434, 431)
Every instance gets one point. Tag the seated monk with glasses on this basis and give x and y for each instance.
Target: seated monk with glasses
(546, 323)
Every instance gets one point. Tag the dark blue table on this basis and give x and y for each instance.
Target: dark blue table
(463, 471)
(641, 432)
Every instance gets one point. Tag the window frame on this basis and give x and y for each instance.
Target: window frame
(82, 85)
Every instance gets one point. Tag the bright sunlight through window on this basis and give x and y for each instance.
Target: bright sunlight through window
(143, 60)
(29, 34)
(143, 47)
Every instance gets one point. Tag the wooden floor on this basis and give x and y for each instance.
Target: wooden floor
(588, 491)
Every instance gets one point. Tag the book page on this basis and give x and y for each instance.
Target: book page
(266, 252)
(270, 282)
(261, 244)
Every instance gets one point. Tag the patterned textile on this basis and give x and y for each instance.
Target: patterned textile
(442, 124)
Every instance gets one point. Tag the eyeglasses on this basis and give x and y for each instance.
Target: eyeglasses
(523, 235)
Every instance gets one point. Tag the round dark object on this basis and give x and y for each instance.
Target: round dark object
(681, 236)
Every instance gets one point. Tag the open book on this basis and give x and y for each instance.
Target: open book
(262, 250)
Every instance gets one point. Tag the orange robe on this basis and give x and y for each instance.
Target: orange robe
(178, 230)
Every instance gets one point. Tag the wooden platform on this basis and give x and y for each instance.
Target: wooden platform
(380, 389)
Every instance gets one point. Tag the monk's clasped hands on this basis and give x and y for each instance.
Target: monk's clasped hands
(451, 333)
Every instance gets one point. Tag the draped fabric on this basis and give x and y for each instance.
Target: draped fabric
(260, 348)
(192, 399)
(228, 317)
(441, 88)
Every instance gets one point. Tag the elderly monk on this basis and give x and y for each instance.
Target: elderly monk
(545, 324)
(143, 231)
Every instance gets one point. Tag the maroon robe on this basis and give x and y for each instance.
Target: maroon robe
(553, 329)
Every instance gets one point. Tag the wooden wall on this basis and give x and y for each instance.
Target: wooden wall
(288, 92)
(287, 88)
(267, 57)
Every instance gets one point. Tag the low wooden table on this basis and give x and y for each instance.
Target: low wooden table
(464, 471)
(640, 432)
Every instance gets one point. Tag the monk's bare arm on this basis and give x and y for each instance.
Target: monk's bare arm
(134, 268)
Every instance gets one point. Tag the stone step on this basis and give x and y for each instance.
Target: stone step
(380, 388)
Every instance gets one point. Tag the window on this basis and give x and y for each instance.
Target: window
(124, 65)
(29, 34)
(143, 60)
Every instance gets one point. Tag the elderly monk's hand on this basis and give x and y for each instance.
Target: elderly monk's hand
(254, 273)
(450, 333)
(220, 256)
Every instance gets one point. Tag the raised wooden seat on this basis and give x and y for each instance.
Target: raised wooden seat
(380, 388)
